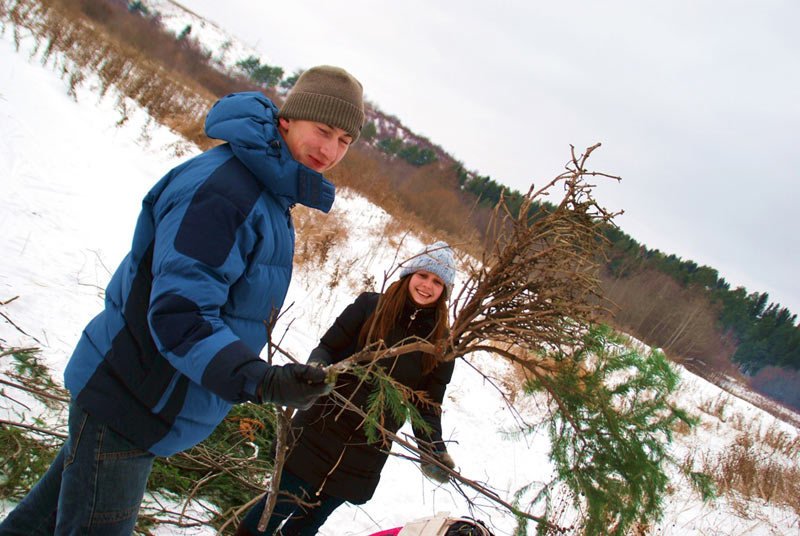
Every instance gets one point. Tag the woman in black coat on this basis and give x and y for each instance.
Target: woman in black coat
(330, 460)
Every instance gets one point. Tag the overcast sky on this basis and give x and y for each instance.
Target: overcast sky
(696, 103)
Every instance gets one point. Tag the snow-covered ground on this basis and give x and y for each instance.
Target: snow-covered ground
(71, 184)
(226, 50)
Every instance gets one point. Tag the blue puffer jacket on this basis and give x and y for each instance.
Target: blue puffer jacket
(179, 339)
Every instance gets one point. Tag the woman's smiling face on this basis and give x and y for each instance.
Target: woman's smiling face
(425, 288)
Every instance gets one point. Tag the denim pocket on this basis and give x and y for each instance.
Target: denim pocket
(76, 425)
(103, 479)
(122, 472)
(118, 448)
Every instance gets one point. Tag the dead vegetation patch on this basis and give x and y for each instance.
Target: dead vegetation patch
(747, 470)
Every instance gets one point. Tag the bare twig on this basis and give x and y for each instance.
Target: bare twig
(234, 517)
(209, 462)
(370, 356)
(19, 328)
(34, 428)
(35, 391)
(9, 397)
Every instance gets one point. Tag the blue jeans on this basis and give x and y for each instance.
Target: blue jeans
(303, 521)
(94, 486)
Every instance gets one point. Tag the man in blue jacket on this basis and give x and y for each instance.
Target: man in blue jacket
(186, 312)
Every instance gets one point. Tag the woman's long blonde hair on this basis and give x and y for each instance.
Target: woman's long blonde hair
(390, 306)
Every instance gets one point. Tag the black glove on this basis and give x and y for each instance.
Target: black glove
(293, 385)
(434, 472)
(318, 363)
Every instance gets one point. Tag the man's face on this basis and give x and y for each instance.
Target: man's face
(315, 145)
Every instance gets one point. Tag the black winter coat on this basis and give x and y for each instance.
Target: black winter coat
(331, 451)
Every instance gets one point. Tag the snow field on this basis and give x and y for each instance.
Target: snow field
(72, 184)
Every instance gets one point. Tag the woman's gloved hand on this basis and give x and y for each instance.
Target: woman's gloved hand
(435, 472)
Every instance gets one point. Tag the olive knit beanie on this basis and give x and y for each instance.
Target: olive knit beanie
(328, 95)
(437, 259)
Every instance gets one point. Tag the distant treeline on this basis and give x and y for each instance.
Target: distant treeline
(766, 333)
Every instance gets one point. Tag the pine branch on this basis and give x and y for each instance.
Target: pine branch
(12, 351)
(533, 300)
(423, 457)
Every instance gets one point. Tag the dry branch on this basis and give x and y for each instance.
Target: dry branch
(424, 457)
(33, 390)
(19, 328)
(34, 428)
(281, 447)
(536, 287)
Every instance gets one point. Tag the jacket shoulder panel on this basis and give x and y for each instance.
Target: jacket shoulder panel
(219, 207)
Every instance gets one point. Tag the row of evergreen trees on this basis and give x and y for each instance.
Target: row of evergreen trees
(766, 333)
(267, 76)
(411, 153)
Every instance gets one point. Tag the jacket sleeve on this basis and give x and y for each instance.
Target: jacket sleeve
(201, 246)
(435, 387)
(341, 339)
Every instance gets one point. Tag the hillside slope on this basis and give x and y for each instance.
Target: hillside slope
(72, 188)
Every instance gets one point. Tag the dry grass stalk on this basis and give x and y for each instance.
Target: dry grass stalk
(747, 471)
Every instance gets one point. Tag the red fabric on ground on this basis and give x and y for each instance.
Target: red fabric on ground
(390, 532)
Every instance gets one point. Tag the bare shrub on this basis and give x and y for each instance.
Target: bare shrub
(682, 321)
(427, 213)
(682, 428)
(75, 80)
(120, 60)
(782, 385)
(430, 194)
(361, 173)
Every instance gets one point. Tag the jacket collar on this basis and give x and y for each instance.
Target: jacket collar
(248, 122)
(413, 311)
